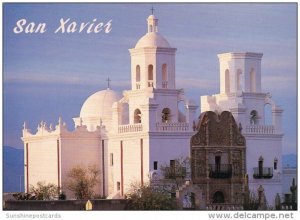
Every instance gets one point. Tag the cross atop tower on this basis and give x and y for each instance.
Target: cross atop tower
(152, 10)
(108, 82)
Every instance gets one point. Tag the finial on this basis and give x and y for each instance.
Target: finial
(24, 125)
(240, 127)
(152, 10)
(108, 82)
(59, 120)
(194, 126)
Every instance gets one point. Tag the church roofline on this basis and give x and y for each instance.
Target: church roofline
(145, 50)
(240, 55)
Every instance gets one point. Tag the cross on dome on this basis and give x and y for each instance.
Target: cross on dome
(108, 82)
(152, 10)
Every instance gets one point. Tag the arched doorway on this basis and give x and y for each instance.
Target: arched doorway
(218, 197)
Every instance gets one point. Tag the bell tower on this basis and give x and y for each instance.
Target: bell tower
(240, 72)
(152, 60)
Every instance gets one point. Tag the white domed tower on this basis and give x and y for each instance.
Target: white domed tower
(152, 60)
(153, 97)
(148, 128)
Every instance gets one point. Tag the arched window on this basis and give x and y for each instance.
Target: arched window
(181, 111)
(218, 163)
(239, 79)
(150, 28)
(150, 76)
(227, 82)
(164, 76)
(268, 114)
(253, 117)
(138, 76)
(166, 115)
(252, 81)
(150, 72)
(137, 116)
(138, 73)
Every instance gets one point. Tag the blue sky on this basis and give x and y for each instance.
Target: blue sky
(50, 75)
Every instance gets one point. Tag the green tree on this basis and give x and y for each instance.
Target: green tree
(251, 201)
(44, 192)
(81, 181)
(148, 198)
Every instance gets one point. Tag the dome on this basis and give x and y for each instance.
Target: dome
(99, 104)
(151, 17)
(152, 39)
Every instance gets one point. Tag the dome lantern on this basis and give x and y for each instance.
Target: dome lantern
(152, 24)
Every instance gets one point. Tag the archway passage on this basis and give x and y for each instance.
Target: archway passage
(218, 197)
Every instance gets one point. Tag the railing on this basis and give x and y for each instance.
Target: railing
(130, 128)
(174, 172)
(138, 85)
(221, 206)
(172, 126)
(221, 171)
(165, 84)
(260, 129)
(263, 173)
(150, 83)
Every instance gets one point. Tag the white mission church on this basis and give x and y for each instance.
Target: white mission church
(129, 136)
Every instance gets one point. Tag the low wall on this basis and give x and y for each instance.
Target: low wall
(64, 205)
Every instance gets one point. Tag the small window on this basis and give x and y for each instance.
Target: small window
(150, 28)
(227, 81)
(118, 186)
(217, 163)
(111, 159)
(252, 80)
(239, 83)
(253, 117)
(137, 116)
(260, 166)
(150, 72)
(138, 73)
(155, 165)
(164, 76)
(166, 115)
(275, 163)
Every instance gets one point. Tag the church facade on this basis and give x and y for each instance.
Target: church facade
(218, 159)
(129, 137)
